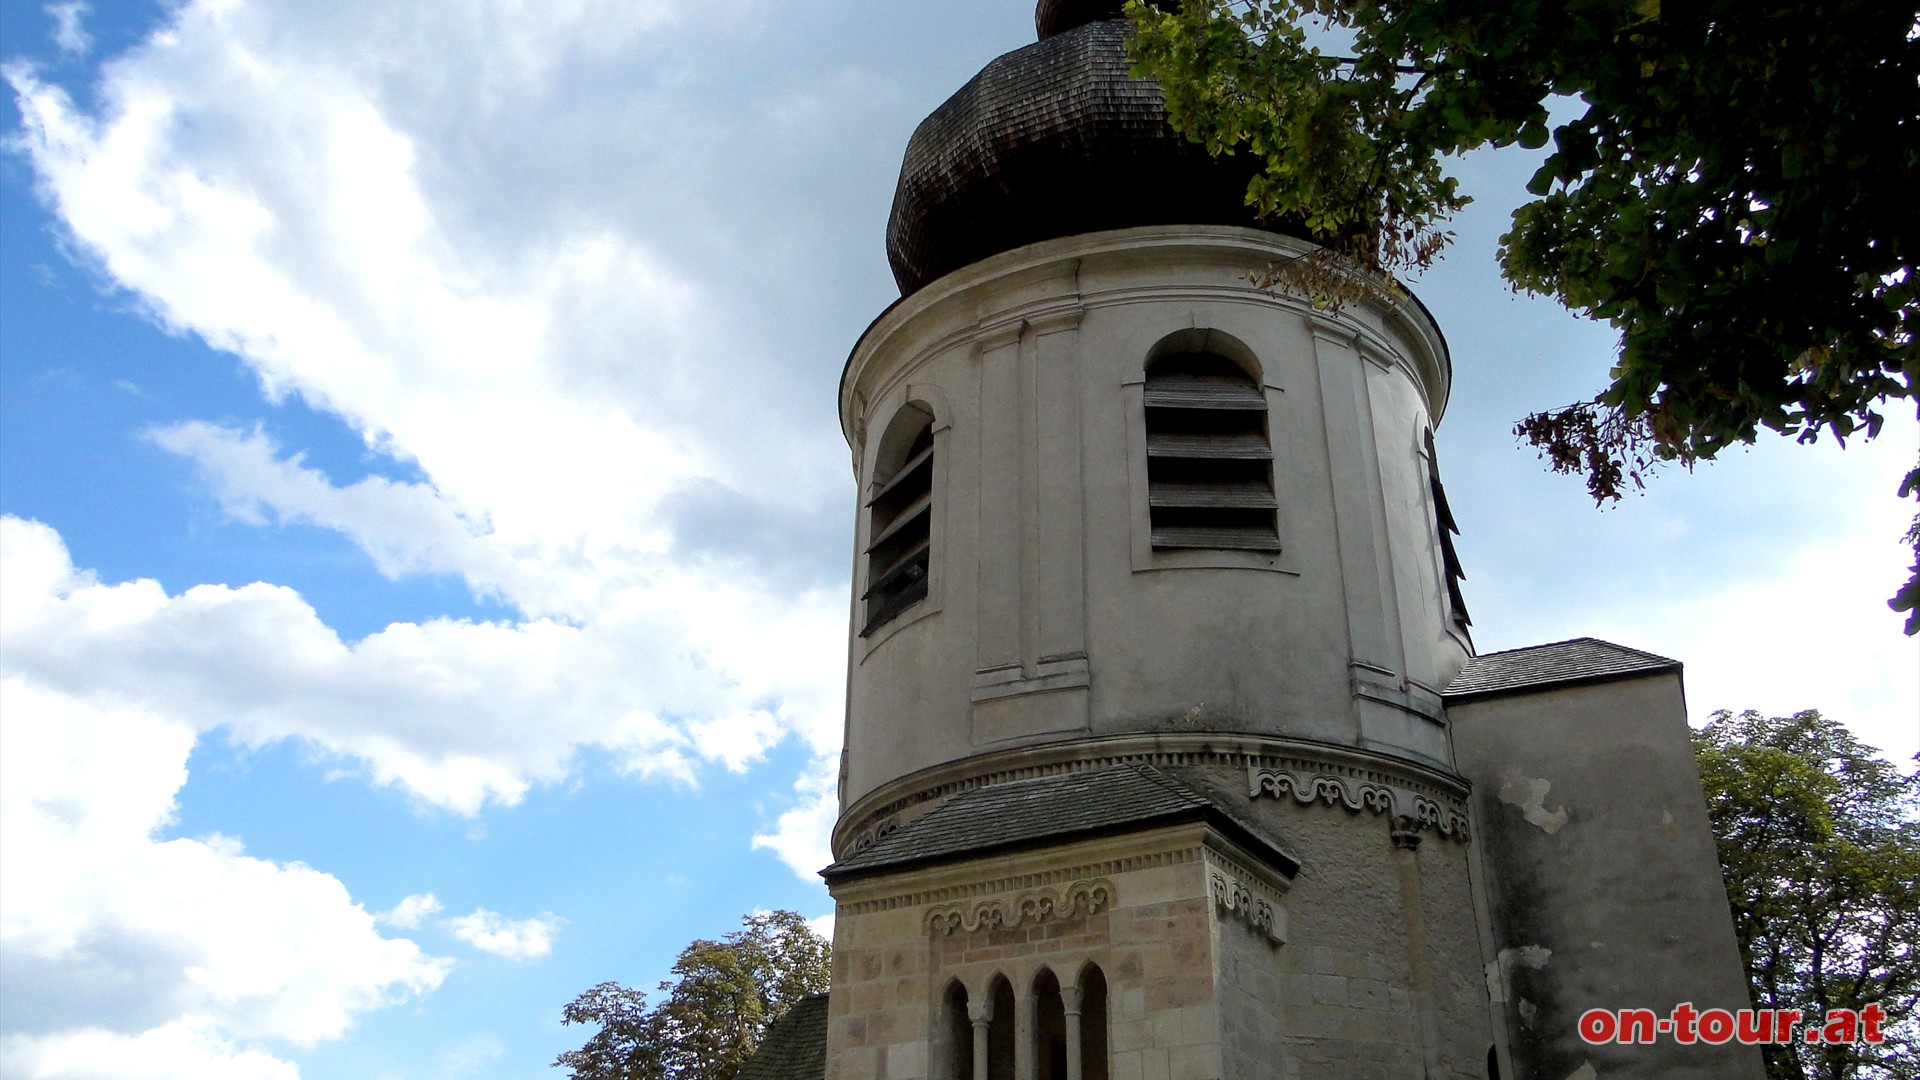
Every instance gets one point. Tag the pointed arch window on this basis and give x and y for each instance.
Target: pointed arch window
(1001, 1037)
(900, 519)
(1209, 458)
(956, 1036)
(1092, 1026)
(1050, 1028)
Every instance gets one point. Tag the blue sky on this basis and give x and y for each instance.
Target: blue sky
(427, 526)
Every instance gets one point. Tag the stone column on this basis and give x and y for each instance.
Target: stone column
(1070, 997)
(1406, 843)
(981, 1013)
(1026, 1020)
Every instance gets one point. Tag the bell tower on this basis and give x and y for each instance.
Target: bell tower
(1148, 771)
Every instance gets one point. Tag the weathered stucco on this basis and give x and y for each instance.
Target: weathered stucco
(1468, 878)
(1600, 873)
(1049, 614)
(1197, 987)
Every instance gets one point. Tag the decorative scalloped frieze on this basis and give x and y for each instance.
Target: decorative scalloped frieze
(1241, 895)
(1378, 793)
(1031, 907)
(873, 834)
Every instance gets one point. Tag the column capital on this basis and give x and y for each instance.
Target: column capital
(1405, 833)
(1070, 999)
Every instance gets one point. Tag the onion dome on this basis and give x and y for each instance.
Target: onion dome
(1055, 139)
(1052, 17)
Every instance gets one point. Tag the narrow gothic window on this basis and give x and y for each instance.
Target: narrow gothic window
(1050, 1029)
(1093, 1025)
(1209, 462)
(900, 520)
(958, 1036)
(1000, 1031)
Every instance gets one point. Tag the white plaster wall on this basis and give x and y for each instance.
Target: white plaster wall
(1601, 875)
(1049, 616)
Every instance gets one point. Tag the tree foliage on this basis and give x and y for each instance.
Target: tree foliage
(1819, 842)
(722, 997)
(1733, 188)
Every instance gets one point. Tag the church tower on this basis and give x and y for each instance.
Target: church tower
(1149, 769)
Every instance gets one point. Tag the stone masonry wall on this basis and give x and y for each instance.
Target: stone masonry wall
(1150, 938)
(1338, 1000)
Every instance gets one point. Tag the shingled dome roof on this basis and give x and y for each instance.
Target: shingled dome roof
(1052, 17)
(1052, 140)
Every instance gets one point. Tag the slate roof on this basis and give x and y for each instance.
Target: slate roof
(1538, 667)
(1030, 813)
(795, 1045)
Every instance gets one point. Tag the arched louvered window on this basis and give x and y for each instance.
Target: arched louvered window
(900, 519)
(1209, 462)
(1449, 557)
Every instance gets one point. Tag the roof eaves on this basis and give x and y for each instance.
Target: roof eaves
(1621, 663)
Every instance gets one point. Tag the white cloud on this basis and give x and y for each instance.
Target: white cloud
(179, 1050)
(68, 34)
(802, 837)
(666, 676)
(488, 931)
(290, 183)
(1810, 631)
(514, 939)
(265, 177)
(167, 957)
(469, 1057)
(411, 911)
(1766, 573)
(822, 925)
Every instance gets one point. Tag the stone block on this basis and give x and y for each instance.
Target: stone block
(1166, 1028)
(1128, 1035)
(1377, 967)
(1368, 994)
(1193, 1062)
(858, 1063)
(1350, 964)
(1330, 989)
(1177, 993)
(1199, 1025)
(907, 1061)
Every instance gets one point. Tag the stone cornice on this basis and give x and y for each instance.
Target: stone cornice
(1313, 773)
(1036, 281)
(977, 885)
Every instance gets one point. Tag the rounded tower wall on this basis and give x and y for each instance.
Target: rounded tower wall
(1053, 602)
